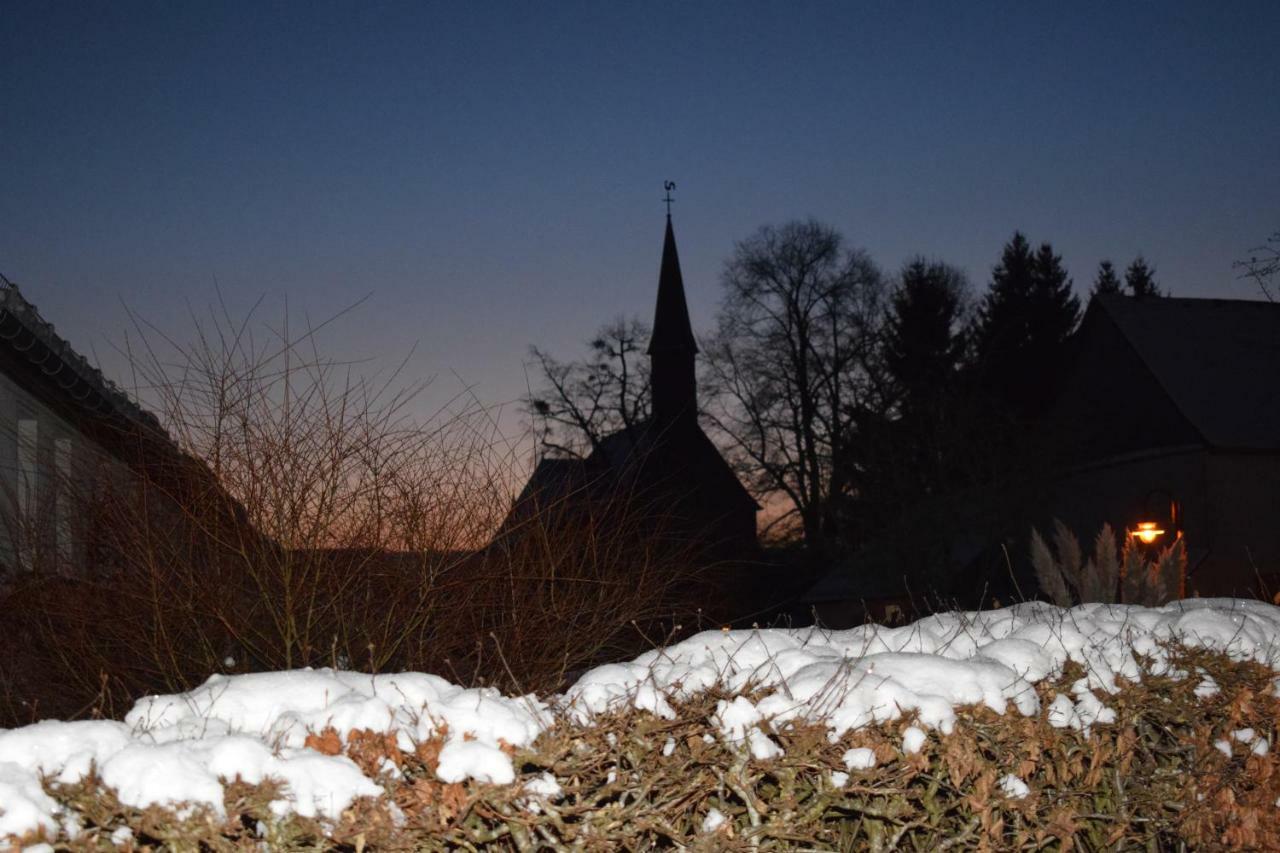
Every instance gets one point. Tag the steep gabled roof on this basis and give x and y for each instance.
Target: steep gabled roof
(1218, 360)
(553, 481)
(671, 329)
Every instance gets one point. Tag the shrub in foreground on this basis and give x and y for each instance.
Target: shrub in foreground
(1173, 770)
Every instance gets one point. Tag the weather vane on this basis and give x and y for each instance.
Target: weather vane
(668, 186)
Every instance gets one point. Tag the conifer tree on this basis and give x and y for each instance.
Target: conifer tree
(1055, 310)
(1107, 283)
(923, 343)
(1002, 327)
(1024, 319)
(923, 350)
(1141, 279)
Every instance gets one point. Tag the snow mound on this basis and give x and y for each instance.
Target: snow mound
(180, 749)
(874, 674)
(183, 748)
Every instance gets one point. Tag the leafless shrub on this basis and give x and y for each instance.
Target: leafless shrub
(302, 516)
(1262, 265)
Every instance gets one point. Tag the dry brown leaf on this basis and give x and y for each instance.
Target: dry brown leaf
(326, 742)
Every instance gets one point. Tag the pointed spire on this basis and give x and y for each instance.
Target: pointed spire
(673, 378)
(672, 331)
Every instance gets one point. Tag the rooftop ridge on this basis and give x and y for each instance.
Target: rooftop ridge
(25, 312)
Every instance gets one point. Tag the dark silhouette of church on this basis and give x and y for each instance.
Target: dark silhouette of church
(664, 472)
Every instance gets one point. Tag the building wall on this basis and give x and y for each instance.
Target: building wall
(1124, 492)
(1229, 503)
(1244, 522)
(46, 469)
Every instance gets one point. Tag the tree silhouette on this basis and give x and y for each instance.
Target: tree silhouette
(1055, 310)
(577, 403)
(1022, 323)
(790, 367)
(1263, 266)
(923, 350)
(1107, 283)
(1003, 322)
(1141, 279)
(924, 342)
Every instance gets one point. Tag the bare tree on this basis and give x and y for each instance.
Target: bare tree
(577, 403)
(1263, 266)
(790, 367)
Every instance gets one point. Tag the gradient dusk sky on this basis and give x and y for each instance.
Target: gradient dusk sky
(491, 173)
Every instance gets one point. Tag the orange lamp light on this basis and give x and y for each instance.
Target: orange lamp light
(1147, 532)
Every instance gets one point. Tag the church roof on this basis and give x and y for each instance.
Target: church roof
(671, 329)
(1218, 360)
(682, 454)
(554, 480)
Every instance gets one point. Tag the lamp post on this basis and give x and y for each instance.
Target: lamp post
(1159, 518)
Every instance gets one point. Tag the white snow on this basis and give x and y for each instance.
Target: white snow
(734, 718)
(1207, 688)
(471, 759)
(183, 748)
(839, 778)
(847, 679)
(860, 758)
(1244, 735)
(737, 721)
(1013, 787)
(543, 786)
(713, 821)
(26, 807)
(1062, 713)
(913, 739)
(1260, 747)
(1224, 746)
(762, 746)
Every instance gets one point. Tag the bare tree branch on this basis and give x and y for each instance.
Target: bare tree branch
(578, 403)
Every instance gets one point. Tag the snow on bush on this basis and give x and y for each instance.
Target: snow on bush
(185, 748)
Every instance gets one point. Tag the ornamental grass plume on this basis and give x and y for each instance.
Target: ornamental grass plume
(1067, 578)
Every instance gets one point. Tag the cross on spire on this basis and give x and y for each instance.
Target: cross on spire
(668, 186)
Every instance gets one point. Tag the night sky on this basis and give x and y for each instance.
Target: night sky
(491, 174)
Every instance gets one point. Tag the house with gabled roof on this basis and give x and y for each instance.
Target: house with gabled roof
(68, 437)
(1171, 415)
(1168, 415)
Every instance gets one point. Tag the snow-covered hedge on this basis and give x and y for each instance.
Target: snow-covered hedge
(1102, 724)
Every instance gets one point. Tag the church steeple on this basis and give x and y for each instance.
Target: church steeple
(672, 347)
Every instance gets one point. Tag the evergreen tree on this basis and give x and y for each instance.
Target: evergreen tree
(923, 350)
(924, 344)
(1055, 310)
(1141, 279)
(1107, 282)
(1024, 320)
(1002, 329)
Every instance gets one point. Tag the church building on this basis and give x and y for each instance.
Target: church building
(665, 469)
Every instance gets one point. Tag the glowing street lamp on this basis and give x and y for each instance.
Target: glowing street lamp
(1147, 532)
